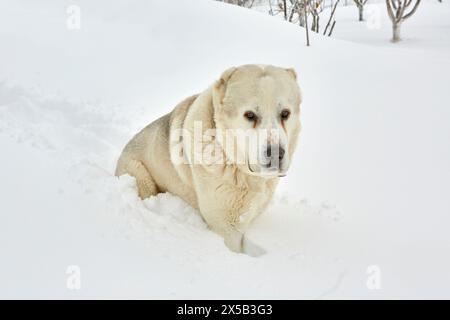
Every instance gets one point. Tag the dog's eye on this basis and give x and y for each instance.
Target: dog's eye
(285, 114)
(250, 115)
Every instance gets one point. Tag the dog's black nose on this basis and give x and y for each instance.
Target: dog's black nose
(280, 153)
(275, 154)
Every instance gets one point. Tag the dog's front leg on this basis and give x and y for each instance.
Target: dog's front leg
(238, 242)
(221, 222)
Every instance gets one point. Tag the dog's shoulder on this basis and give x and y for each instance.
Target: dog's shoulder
(178, 114)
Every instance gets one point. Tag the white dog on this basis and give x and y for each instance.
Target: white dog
(222, 151)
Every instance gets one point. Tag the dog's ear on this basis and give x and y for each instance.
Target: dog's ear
(221, 86)
(292, 72)
(227, 75)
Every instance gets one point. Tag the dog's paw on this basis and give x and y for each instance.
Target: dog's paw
(251, 249)
(234, 242)
(240, 244)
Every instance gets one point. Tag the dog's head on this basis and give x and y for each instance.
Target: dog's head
(258, 106)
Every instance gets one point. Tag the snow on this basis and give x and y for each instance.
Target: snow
(426, 30)
(368, 187)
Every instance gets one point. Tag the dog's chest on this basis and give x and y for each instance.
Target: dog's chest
(256, 203)
(245, 202)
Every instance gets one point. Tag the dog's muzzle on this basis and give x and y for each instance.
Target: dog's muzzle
(272, 158)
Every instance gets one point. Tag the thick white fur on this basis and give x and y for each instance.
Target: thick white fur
(228, 196)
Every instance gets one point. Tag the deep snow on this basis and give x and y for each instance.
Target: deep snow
(369, 184)
(426, 30)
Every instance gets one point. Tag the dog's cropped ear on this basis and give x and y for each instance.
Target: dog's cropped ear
(221, 86)
(292, 72)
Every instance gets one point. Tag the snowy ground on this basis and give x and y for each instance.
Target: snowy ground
(369, 189)
(426, 30)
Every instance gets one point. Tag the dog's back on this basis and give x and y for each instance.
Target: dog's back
(146, 157)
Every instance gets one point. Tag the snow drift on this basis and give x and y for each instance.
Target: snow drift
(369, 186)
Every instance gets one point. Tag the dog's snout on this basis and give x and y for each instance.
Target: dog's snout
(274, 153)
(280, 153)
